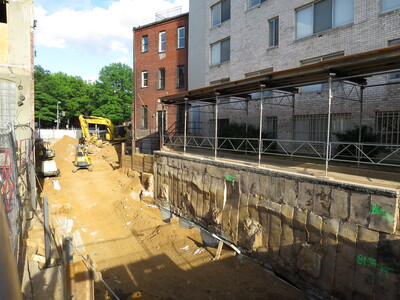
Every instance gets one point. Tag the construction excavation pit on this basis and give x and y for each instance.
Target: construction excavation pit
(128, 245)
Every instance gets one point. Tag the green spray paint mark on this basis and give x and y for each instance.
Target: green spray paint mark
(371, 262)
(376, 210)
(230, 178)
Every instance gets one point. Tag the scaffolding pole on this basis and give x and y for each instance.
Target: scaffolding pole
(185, 127)
(362, 87)
(260, 142)
(329, 124)
(162, 126)
(293, 106)
(216, 126)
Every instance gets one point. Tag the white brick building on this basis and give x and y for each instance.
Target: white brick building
(234, 39)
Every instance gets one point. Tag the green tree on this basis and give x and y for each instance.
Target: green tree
(72, 94)
(45, 103)
(113, 93)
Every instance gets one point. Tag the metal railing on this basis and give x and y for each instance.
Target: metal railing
(366, 153)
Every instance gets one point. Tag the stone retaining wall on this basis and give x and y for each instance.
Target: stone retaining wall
(337, 238)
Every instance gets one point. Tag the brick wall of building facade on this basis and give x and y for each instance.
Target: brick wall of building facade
(248, 30)
(151, 61)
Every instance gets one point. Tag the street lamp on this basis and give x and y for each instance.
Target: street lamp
(58, 116)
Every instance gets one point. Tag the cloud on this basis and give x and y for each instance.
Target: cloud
(97, 30)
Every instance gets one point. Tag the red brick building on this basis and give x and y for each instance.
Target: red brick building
(160, 67)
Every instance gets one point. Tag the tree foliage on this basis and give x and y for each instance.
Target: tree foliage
(110, 96)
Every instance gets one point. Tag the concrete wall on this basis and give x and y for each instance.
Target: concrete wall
(331, 237)
(57, 134)
(16, 61)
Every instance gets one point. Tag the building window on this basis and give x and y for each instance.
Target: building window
(3, 12)
(220, 12)
(252, 3)
(321, 86)
(162, 41)
(145, 113)
(8, 95)
(145, 79)
(220, 52)
(388, 5)
(387, 127)
(180, 83)
(273, 32)
(271, 127)
(315, 127)
(181, 37)
(161, 79)
(145, 43)
(394, 75)
(323, 15)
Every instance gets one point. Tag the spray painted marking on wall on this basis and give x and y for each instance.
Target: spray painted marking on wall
(376, 210)
(230, 178)
(371, 262)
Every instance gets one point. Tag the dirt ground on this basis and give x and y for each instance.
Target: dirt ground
(139, 255)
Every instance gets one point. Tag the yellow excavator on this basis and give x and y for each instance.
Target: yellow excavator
(82, 159)
(114, 133)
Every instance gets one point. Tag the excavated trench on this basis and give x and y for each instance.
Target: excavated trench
(138, 254)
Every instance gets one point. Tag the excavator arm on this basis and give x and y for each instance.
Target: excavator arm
(86, 120)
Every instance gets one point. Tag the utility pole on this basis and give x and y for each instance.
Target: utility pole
(58, 116)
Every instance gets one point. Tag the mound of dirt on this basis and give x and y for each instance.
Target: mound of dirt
(65, 151)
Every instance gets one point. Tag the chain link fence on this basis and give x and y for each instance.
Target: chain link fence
(9, 185)
(17, 182)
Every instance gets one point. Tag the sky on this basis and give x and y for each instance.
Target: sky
(80, 37)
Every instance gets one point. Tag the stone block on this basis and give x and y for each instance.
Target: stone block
(360, 208)
(299, 230)
(235, 204)
(291, 192)
(287, 238)
(217, 172)
(314, 227)
(387, 284)
(306, 195)
(206, 195)
(232, 187)
(330, 230)
(274, 239)
(179, 191)
(264, 217)
(339, 204)
(345, 260)
(384, 214)
(276, 189)
(254, 184)
(244, 182)
(253, 233)
(243, 214)
(253, 207)
(220, 194)
(366, 257)
(322, 200)
(309, 261)
(264, 186)
(174, 186)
